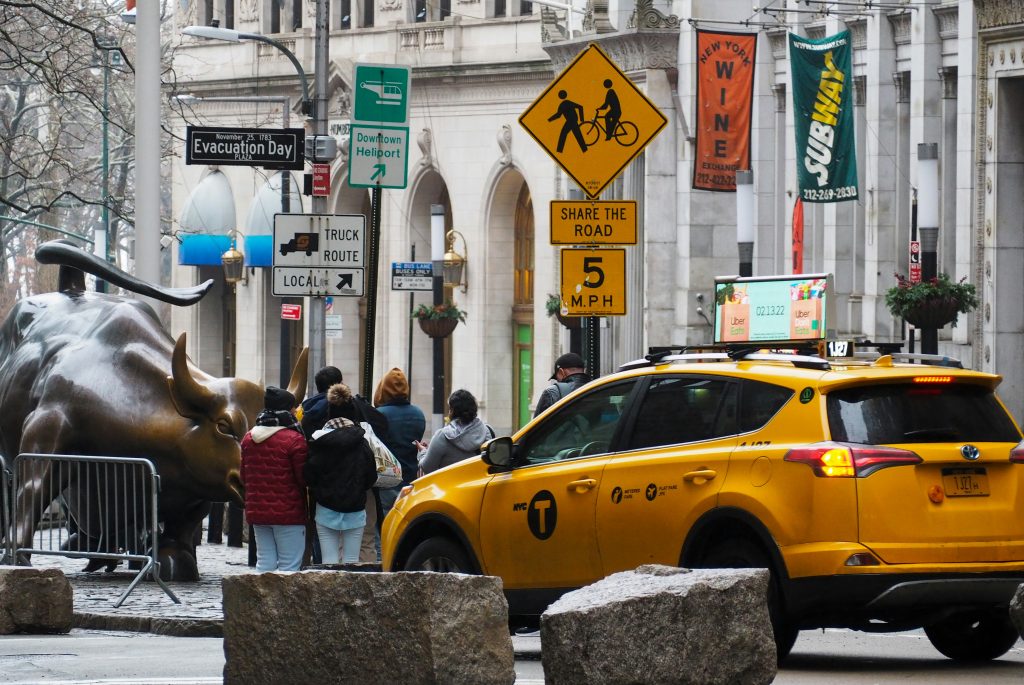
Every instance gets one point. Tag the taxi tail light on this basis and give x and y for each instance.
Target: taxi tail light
(840, 460)
(1017, 453)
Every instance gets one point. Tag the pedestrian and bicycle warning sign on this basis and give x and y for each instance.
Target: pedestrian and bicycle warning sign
(592, 120)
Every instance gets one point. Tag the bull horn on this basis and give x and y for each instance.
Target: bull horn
(185, 390)
(297, 383)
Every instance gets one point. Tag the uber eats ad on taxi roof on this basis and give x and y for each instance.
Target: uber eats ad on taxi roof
(776, 308)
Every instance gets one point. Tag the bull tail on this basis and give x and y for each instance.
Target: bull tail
(75, 263)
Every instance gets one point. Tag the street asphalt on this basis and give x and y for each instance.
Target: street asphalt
(148, 609)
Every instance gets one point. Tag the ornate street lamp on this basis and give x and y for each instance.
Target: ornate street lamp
(454, 263)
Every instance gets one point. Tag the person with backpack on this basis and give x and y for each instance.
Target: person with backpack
(569, 375)
(340, 471)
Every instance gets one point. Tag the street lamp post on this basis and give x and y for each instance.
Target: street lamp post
(232, 36)
(745, 220)
(928, 222)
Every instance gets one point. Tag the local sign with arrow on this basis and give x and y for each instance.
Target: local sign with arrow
(379, 134)
(319, 254)
(593, 120)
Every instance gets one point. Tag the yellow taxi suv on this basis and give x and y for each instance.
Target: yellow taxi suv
(882, 495)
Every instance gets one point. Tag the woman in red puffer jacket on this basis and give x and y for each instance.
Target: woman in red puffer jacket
(273, 454)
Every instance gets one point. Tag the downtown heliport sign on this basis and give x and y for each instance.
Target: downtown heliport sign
(379, 142)
(281, 148)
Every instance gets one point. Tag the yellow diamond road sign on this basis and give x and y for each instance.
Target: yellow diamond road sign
(592, 120)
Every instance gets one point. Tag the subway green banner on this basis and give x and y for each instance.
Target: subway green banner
(826, 166)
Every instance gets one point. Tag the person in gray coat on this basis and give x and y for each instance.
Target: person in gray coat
(458, 440)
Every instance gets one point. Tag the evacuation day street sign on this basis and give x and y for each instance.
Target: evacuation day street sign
(379, 134)
(275, 148)
(592, 120)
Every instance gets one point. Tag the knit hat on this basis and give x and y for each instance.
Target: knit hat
(339, 401)
(569, 360)
(393, 386)
(278, 399)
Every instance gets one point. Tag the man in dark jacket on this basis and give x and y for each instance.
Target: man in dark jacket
(569, 375)
(314, 409)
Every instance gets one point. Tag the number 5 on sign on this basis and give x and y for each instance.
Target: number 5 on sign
(594, 282)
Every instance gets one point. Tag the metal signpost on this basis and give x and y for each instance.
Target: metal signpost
(593, 121)
(318, 255)
(378, 158)
(281, 148)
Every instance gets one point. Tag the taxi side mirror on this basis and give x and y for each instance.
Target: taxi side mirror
(498, 453)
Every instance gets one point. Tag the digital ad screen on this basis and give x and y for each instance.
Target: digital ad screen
(772, 309)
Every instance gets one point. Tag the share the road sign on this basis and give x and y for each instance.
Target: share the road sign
(592, 120)
(592, 222)
(378, 156)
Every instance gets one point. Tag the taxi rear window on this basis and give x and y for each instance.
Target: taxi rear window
(901, 413)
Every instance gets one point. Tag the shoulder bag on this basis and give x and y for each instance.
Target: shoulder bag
(389, 471)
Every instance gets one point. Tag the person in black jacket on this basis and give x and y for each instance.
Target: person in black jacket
(568, 376)
(339, 471)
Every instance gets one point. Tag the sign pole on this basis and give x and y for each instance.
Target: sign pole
(373, 256)
(317, 315)
(437, 257)
(412, 306)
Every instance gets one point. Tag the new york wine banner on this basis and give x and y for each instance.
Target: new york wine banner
(826, 160)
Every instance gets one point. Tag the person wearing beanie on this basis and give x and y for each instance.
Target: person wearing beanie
(273, 455)
(460, 439)
(406, 424)
(568, 375)
(340, 471)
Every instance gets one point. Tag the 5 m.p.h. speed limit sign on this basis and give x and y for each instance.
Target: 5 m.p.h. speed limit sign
(593, 282)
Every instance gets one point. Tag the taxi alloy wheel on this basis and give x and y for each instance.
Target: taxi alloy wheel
(742, 553)
(973, 636)
(440, 555)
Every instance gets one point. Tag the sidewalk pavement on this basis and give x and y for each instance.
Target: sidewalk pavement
(148, 609)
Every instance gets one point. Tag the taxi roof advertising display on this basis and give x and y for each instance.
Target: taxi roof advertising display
(773, 308)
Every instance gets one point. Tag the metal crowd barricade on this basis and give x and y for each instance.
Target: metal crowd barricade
(7, 549)
(87, 507)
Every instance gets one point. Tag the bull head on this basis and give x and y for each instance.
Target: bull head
(195, 401)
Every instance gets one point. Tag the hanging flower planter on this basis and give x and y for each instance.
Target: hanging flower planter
(438, 328)
(934, 313)
(930, 304)
(438, 321)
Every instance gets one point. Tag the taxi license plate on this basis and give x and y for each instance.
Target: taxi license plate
(965, 482)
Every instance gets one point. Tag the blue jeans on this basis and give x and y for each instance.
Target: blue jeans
(348, 540)
(279, 548)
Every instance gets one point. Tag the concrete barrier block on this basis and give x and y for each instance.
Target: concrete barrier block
(34, 600)
(659, 625)
(340, 627)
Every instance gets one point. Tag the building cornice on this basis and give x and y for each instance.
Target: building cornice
(634, 50)
(998, 13)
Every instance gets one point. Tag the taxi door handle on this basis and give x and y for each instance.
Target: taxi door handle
(582, 485)
(700, 477)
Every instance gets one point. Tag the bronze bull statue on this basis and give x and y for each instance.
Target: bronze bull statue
(96, 374)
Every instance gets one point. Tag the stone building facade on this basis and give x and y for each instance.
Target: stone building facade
(947, 73)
